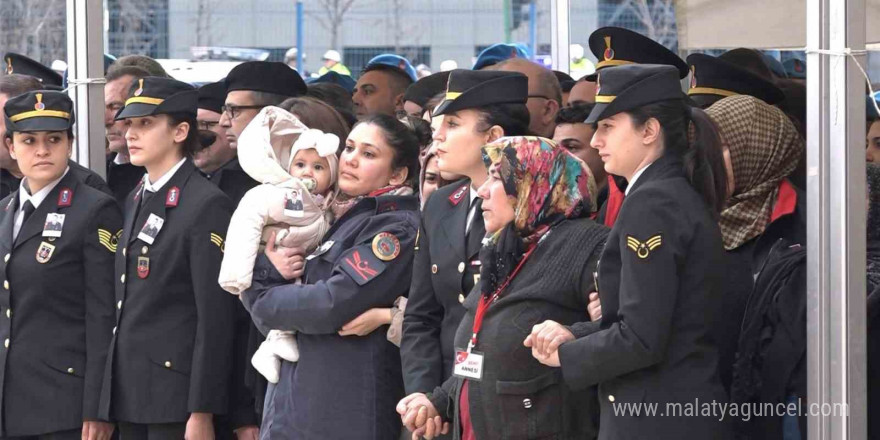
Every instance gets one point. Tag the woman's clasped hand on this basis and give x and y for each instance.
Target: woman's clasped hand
(420, 417)
(545, 340)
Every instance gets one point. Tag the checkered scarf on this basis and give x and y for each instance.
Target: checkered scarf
(764, 149)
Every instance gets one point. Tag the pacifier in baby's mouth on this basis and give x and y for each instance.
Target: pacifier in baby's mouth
(309, 183)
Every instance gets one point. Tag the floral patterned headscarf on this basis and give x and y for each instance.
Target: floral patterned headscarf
(545, 184)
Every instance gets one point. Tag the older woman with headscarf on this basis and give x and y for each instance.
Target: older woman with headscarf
(764, 216)
(538, 261)
(761, 149)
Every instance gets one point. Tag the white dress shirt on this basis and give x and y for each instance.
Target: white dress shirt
(36, 200)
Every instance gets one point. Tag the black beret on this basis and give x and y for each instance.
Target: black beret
(40, 110)
(713, 79)
(332, 77)
(479, 88)
(614, 46)
(212, 96)
(421, 91)
(20, 64)
(267, 77)
(153, 95)
(630, 86)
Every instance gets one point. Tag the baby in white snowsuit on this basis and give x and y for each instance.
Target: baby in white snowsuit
(297, 168)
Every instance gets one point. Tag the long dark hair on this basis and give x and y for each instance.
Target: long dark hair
(191, 144)
(404, 140)
(702, 153)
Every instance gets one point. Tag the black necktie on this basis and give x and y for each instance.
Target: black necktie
(477, 228)
(28, 209)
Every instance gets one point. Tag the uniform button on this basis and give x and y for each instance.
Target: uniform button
(144, 250)
(433, 268)
(70, 371)
(461, 298)
(6, 258)
(114, 330)
(461, 267)
(9, 313)
(122, 278)
(123, 252)
(6, 284)
(610, 398)
(527, 403)
(264, 274)
(119, 305)
(6, 343)
(167, 364)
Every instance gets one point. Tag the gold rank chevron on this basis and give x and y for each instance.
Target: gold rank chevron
(108, 240)
(643, 249)
(218, 240)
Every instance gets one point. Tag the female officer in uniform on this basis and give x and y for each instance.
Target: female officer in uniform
(344, 386)
(658, 277)
(170, 356)
(57, 238)
(479, 107)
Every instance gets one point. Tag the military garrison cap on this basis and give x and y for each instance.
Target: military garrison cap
(266, 77)
(212, 96)
(421, 91)
(714, 78)
(627, 87)
(393, 63)
(153, 95)
(22, 65)
(479, 88)
(614, 46)
(40, 110)
(499, 52)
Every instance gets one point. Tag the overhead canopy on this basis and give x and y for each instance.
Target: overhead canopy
(760, 24)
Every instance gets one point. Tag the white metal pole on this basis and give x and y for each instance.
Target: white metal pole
(85, 59)
(560, 35)
(836, 221)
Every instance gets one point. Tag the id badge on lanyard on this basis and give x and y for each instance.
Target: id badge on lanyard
(469, 363)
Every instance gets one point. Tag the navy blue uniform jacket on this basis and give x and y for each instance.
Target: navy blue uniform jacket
(342, 387)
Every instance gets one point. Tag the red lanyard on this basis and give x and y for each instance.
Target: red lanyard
(485, 301)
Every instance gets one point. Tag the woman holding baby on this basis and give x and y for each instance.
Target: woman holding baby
(363, 264)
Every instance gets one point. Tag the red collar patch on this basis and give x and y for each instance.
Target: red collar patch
(65, 197)
(786, 201)
(173, 197)
(458, 195)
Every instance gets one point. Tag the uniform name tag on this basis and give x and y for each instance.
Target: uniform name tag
(53, 226)
(321, 250)
(468, 365)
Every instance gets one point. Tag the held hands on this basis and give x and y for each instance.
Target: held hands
(420, 417)
(545, 340)
(200, 426)
(366, 322)
(94, 430)
(290, 262)
(594, 307)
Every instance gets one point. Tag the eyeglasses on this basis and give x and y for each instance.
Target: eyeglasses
(207, 125)
(234, 110)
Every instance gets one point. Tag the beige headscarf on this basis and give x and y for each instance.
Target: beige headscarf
(764, 149)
